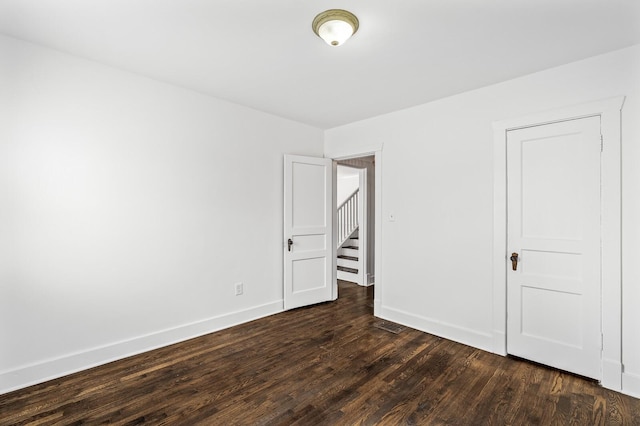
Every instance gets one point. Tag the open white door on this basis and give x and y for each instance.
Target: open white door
(308, 230)
(553, 285)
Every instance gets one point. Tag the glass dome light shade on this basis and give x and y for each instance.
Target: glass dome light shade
(335, 26)
(335, 32)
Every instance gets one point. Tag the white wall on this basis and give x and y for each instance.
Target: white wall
(437, 181)
(129, 208)
(348, 180)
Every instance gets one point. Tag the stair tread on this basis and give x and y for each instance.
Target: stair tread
(350, 247)
(354, 238)
(346, 269)
(342, 256)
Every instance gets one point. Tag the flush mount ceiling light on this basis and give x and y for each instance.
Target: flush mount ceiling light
(335, 26)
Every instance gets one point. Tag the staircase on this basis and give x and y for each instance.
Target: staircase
(348, 259)
(349, 266)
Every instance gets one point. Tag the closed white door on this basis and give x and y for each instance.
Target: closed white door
(554, 294)
(308, 230)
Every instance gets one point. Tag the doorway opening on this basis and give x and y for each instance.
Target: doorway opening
(355, 220)
(311, 232)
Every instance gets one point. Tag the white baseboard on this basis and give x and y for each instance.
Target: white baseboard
(499, 343)
(611, 374)
(631, 384)
(377, 307)
(72, 363)
(456, 333)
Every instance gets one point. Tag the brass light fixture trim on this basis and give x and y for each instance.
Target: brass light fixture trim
(330, 16)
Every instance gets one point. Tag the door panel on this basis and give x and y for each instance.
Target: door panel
(550, 183)
(308, 198)
(553, 298)
(309, 274)
(308, 221)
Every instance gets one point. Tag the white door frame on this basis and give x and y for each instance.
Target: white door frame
(609, 112)
(363, 221)
(377, 250)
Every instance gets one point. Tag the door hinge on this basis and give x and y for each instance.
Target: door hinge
(601, 143)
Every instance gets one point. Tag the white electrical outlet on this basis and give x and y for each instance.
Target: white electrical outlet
(239, 289)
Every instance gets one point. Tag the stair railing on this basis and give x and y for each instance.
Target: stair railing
(348, 217)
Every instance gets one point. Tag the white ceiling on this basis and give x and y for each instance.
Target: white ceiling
(263, 53)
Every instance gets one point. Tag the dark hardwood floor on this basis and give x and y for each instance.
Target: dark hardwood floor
(321, 365)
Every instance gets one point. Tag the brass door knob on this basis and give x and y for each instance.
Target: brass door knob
(514, 261)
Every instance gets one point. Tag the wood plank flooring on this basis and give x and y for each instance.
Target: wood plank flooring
(321, 365)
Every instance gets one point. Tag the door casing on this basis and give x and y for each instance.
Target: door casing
(609, 112)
